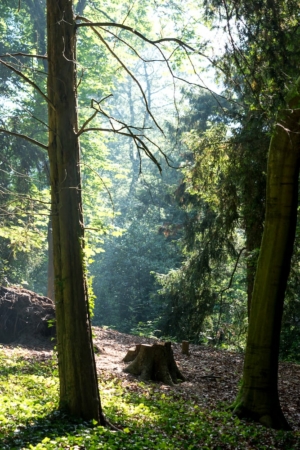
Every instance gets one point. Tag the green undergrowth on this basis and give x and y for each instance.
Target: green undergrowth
(150, 416)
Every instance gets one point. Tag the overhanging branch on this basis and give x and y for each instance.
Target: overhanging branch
(28, 55)
(28, 80)
(87, 23)
(125, 130)
(129, 73)
(24, 136)
(82, 129)
(140, 144)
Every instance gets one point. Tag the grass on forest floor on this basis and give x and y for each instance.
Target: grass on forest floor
(149, 417)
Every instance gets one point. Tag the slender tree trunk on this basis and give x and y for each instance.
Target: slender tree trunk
(79, 394)
(258, 397)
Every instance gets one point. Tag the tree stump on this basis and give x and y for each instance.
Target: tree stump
(132, 353)
(185, 347)
(154, 362)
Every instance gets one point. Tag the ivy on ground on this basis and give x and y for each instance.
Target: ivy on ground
(148, 417)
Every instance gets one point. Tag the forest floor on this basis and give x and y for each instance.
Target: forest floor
(212, 375)
(212, 380)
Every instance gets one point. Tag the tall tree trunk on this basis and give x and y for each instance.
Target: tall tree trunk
(50, 274)
(253, 232)
(79, 394)
(258, 397)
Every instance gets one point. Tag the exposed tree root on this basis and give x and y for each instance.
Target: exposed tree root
(270, 419)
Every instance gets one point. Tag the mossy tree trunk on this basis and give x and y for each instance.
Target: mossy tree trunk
(79, 394)
(50, 271)
(253, 233)
(258, 397)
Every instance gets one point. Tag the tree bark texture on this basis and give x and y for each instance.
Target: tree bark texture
(50, 271)
(258, 397)
(79, 394)
(154, 362)
(253, 232)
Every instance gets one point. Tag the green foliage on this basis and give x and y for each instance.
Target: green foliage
(209, 195)
(149, 417)
(149, 329)
(265, 40)
(124, 283)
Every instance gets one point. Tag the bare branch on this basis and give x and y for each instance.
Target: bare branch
(23, 136)
(130, 74)
(37, 119)
(23, 196)
(221, 292)
(215, 94)
(204, 85)
(82, 129)
(140, 144)
(18, 72)
(87, 23)
(181, 43)
(132, 48)
(137, 138)
(7, 55)
(93, 115)
(110, 118)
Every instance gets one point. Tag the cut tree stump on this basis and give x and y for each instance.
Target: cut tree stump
(132, 353)
(154, 362)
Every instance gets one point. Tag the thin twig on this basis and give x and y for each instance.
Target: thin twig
(93, 115)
